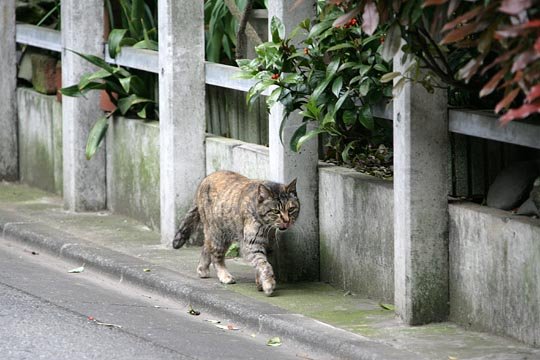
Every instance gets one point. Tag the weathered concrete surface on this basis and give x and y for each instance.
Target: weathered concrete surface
(40, 140)
(84, 180)
(9, 164)
(420, 199)
(495, 271)
(122, 248)
(228, 154)
(182, 109)
(133, 169)
(356, 232)
(298, 254)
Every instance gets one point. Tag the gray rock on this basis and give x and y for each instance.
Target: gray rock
(513, 184)
(528, 208)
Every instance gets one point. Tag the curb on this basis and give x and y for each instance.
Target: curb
(214, 298)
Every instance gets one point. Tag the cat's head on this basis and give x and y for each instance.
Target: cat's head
(278, 204)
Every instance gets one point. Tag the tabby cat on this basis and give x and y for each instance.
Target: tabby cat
(232, 207)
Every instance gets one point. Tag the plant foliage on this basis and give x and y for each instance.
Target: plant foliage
(221, 27)
(486, 45)
(332, 77)
(130, 93)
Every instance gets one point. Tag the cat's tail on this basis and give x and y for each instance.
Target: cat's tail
(189, 224)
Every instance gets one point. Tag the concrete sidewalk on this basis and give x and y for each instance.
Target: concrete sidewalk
(314, 314)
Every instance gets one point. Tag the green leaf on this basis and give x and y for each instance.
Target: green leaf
(277, 29)
(392, 42)
(345, 152)
(115, 39)
(387, 306)
(341, 100)
(99, 62)
(320, 88)
(310, 134)
(345, 45)
(147, 44)
(389, 76)
(233, 251)
(275, 341)
(96, 135)
(337, 85)
(332, 68)
(124, 104)
(366, 118)
(72, 90)
(300, 132)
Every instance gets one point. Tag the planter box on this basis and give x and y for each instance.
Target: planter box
(40, 140)
(133, 169)
(356, 232)
(495, 271)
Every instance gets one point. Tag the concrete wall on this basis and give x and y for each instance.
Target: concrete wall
(228, 154)
(133, 169)
(40, 140)
(495, 271)
(356, 232)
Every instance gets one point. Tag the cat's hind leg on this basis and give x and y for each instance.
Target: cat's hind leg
(204, 263)
(218, 259)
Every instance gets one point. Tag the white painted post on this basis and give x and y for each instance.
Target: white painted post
(297, 253)
(9, 159)
(182, 109)
(420, 203)
(84, 180)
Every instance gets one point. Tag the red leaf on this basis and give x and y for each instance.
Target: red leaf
(506, 101)
(452, 7)
(537, 45)
(492, 84)
(370, 18)
(463, 18)
(504, 57)
(513, 31)
(514, 7)
(433, 2)
(533, 94)
(467, 71)
(459, 33)
(520, 113)
(345, 18)
(524, 59)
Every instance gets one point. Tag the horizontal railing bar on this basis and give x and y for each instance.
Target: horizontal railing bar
(141, 59)
(38, 36)
(484, 124)
(480, 124)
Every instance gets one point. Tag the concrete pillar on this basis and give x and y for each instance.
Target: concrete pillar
(420, 203)
(296, 254)
(9, 164)
(182, 108)
(84, 180)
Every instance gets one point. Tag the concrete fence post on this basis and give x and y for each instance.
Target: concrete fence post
(182, 108)
(84, 180)
(9, 163)
(420, 203)
(296, 252)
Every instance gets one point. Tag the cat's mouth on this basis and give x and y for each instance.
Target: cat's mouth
(284, 226)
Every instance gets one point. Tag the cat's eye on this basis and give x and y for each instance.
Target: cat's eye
(293, 209)
(276, 211)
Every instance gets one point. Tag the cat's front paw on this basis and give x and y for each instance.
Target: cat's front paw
(268, 286)
(226, 278)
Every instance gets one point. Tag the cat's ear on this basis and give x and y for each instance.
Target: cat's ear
(291, 188)
(263, 193)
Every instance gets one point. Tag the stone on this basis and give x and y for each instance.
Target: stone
(528, 208)
(513, 184)
(44, 73)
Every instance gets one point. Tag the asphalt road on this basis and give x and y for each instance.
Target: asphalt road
(48, 313)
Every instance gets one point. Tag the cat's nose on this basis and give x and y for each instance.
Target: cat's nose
(284, 226)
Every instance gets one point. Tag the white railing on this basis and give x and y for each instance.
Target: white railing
(480, 124)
